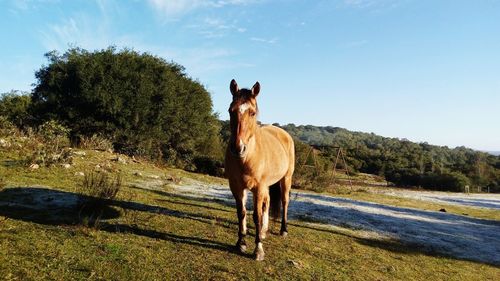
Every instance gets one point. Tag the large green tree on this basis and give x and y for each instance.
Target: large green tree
(143, 103)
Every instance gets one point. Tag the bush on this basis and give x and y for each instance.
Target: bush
(54, 134)
(452, 181)
(98, 189)
(7, 128)
(96, 142)
(101, 186)
(210, 166)
(49, 145)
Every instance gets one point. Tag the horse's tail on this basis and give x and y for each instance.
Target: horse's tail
(275, 198)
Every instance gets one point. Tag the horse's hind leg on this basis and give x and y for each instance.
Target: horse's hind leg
(241, 198)
(286, 186)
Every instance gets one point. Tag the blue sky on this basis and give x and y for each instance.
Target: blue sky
(425, 70)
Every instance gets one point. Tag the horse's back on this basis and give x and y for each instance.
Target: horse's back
(270, 131)
(273, 138)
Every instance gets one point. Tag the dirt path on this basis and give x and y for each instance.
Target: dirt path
(436, 232)
(481, 200)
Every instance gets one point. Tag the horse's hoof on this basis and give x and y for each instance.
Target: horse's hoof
(284, 234)
(259, 252)
(242, 248)
(259, 256)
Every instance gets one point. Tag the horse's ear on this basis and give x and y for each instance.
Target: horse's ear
(233, 87)
(256, 89)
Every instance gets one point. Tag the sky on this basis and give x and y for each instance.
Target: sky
(424, 70)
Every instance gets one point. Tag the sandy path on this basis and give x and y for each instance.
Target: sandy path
(437, 232)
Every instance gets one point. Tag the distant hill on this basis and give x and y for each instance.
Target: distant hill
(496, 153)
(404, 162)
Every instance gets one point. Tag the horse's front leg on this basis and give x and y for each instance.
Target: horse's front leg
(260, 203)
(241, 199)
(240, 196)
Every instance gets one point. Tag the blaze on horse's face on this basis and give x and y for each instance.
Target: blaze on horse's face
(243, 117)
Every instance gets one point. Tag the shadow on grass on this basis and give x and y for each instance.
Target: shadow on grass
(194, 205)
(194, 241)
(219, 199)
(13, 163)
(54, 207)
(51, 207)
(387, 245)
(396, 229)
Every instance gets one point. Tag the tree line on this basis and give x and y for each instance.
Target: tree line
(406, 163)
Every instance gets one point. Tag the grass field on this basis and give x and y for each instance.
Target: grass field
(151, 231)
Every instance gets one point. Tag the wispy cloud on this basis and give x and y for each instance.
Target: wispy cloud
(174, 8)
(89, 31)
(96, 31)
(30, 4)
(354, 44)
(77, 30)
(91, 34)
(202, 61)
(216, 27)
(373, 4)
(18, 7)
(264, 40)
(361, 3)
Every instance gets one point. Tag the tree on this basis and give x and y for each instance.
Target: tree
(144, 104)
(15, 106)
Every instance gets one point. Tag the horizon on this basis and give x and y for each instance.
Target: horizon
(418, 70)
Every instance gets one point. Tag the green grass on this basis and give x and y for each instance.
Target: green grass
(147, 235)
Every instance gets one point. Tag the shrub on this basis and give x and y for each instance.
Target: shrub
(101, 186)
(453, 181)
(49, 145)
(209, 165)
(96, 142)
(54, 134)
(97, 190)
(7, 128)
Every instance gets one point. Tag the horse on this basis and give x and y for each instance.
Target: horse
(260, 159)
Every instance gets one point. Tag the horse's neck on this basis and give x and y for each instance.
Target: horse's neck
(257, 140)
(255, 150)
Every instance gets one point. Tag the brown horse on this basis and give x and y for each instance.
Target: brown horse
(259, 159)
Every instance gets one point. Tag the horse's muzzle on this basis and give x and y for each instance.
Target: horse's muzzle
(238, 150)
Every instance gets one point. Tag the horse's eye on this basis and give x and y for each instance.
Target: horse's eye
(252, 113)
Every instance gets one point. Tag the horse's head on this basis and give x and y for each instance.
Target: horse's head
(243, 117)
